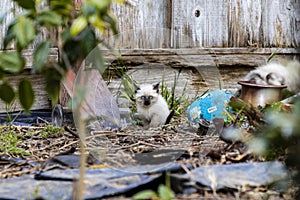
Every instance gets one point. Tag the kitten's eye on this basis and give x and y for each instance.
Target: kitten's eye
(143, 97)
(150, 97)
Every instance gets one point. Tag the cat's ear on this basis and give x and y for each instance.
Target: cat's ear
(275, 79)
(156, 87)
(136, 87)
(254, 77)
(271, 76)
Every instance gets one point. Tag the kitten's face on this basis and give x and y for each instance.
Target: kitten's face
(146, 94)
(257, 78)
(266, 79)
(275, 79)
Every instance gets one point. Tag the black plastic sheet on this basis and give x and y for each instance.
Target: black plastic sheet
(236, 176)
(58, 183)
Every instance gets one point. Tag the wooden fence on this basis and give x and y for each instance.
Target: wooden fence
(194, 33)
(209, 23)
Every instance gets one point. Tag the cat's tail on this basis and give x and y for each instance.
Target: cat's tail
(170, 117)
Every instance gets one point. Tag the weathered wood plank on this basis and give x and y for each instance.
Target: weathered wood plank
(200, 23)
(38, 83)
(191, 81)
(154, 24)
(28, 55)
(205, 56)
(11, 10)
(143, 24)
(201, 69)
(281, 20)
(200, 51)
(236, 23)
(6, 8)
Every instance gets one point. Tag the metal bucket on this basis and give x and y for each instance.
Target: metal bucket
(260, 95)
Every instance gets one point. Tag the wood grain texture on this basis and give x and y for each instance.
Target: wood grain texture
(236, 23)
(6, 8)
(146, 24)
(10, 10)
(28, 55)
(193, 57)
(191, 81)
(142, 24)
(201, 68)
(232, 36)
(38, 82)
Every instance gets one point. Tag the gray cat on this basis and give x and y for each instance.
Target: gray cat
(287, 73)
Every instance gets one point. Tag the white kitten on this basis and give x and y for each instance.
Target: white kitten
(277, 74)
(151, 106)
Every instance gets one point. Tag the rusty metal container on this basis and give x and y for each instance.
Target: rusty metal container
(260, 95)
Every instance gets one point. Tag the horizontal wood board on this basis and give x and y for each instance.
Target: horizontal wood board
(38, 83)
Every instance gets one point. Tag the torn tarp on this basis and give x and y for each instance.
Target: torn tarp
(102, 182)
(236, 176)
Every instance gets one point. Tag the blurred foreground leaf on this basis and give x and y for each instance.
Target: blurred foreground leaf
(40, 55)
(7, 93)
(78, 25)
(24, 31)
(26, 94)
(27, 4)
(11, 61)
(145, 194)
(165, 193)
(49, 18)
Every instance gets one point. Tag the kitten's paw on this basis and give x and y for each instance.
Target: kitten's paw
(155, 128)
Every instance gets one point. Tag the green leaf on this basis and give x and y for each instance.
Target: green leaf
(53, 90)
(61, 7)
(10, 35)
(7, 93)
(49, 18)
(53, 78)
(24, 31)
(40, 55)
(145, 194)
(165, 193)
(12, 61)
(26, 94)
(27, 4)
(78, 25)
(98, 23)
(111, 20)
(271, 56)
(125, 95)
(79, 47)
(88, 41)
(119, 1)
(2, 74)
(102, 5)
(88, 10)
(66, 35)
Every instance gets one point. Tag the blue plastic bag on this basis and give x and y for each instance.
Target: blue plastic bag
(209, 106)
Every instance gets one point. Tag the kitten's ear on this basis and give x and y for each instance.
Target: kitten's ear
(136, 87)
(253, 78)
(270, 76)
(156, 87)
(275, 79)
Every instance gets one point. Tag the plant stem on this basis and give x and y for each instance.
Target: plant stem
(81, 130)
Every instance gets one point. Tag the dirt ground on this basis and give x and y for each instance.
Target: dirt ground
(194, 148)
